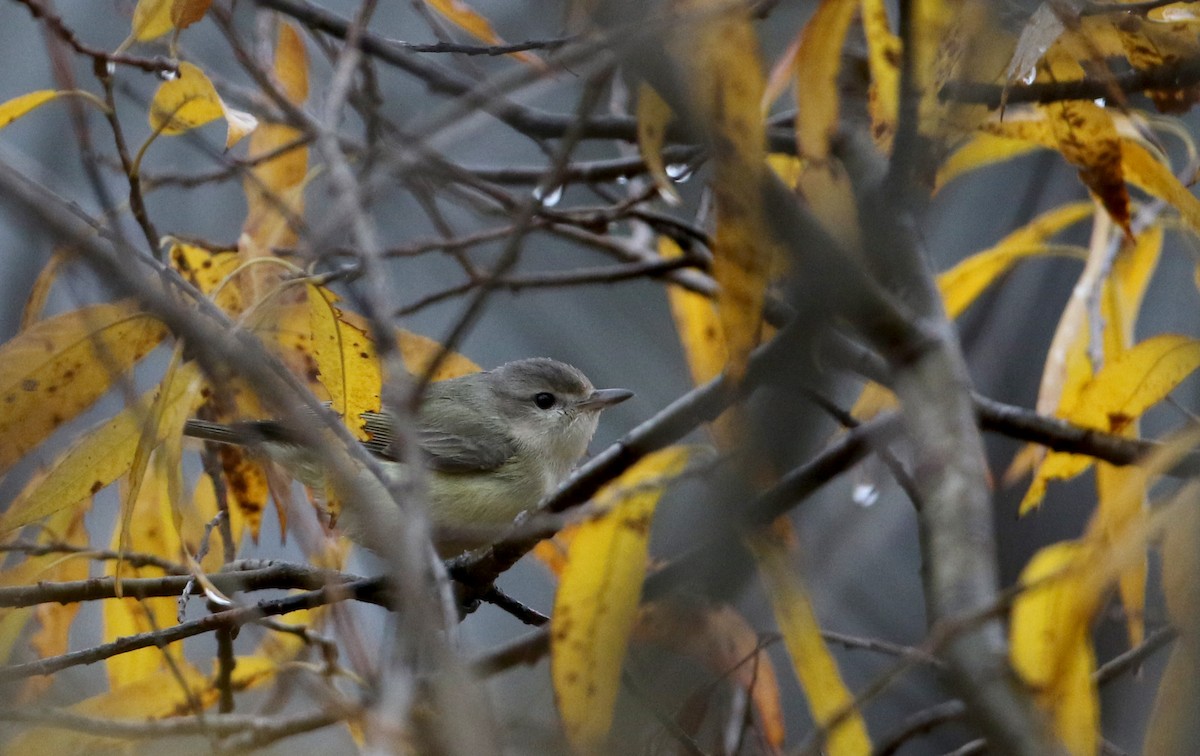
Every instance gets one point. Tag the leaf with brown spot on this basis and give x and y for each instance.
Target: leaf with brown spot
(718, 51)
(60, 366)
(596, 604)
(209, 271)
(815, 667)
(1088, 139)
(349, 368)
(96, 460)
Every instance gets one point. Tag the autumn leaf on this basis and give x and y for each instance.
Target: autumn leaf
(719, 53)
(823, 183)
(13, 109)
(653, 117)
(151, 20)
(210, 272)
(1115, 397)
(59, 367)
(464, 17)
(962, 284)
(149, 531)
(596, 604)
(345, 356)
(883, 59)
(1051, 642)
(815, 667)
(92, 463)
(189, 101)
(1117, 512)
(274, 188)
(184, 13)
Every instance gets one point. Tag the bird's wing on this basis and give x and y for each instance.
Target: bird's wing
(457, 442)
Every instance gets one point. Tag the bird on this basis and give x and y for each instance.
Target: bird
(495, 443)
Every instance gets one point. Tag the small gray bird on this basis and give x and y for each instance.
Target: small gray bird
(495, 443)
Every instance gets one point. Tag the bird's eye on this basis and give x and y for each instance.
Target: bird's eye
(544, 400)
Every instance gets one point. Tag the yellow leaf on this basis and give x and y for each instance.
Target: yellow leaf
(980, 151)
(345, 355)
(92, 463)
(786, 167)
(597, 600)
(13, 109)
(653, 117)
(698, 324)
(722, 640)
(1180, 553)
(419, 352)
(1151, 44)
(58, 367)
(823, 182)
(1088, 139)
(275, 187)
(719, 53)
(150, 531)
(184, 13)
(207, 270)
(883, 58)
(962, 284)
(151, 19)
(1115, 398)
(1117, 512)
(464, 17)
(818, 63)
(1149, 174)
(815, 667)
(1135, 381)
(1125, 288)
(1051, 643)
(189, 101)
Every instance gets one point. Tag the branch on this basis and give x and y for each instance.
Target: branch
(232, 618)
(1180, 75)
(277, 575)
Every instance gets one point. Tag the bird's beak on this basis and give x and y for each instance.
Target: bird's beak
(602, 398)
